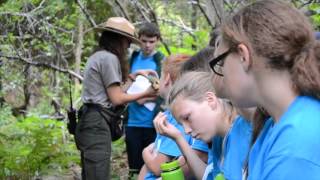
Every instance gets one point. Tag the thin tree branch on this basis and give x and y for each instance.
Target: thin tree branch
(230, 6)
(306, 3)
(140, 9)
(153, 14)
(40, 6)
(89, 18)
(33, 21)
(123, 10)
(173, 23)
(46, 65)
(15, 14)
(216, 11)
(205, 14)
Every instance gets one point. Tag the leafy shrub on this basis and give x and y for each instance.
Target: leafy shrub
(34, 145)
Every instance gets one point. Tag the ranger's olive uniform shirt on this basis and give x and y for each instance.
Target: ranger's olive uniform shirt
(102, 70)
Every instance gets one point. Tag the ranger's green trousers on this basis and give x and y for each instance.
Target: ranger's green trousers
(94, 141)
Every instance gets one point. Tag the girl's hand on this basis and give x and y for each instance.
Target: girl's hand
(163, 127)
(150, 92)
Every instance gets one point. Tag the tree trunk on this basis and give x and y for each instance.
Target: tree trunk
(194, 15)
(1, 93)
(78, 48)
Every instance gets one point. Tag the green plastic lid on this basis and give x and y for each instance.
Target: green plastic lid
(219, 176)
(169, 166)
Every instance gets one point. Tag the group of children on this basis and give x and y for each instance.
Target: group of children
(247, 108)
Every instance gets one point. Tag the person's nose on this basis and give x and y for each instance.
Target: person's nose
(187, 128)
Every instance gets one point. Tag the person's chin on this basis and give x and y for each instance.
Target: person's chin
(203, 138)
(147, 52)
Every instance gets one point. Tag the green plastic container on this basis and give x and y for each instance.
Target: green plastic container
(171, 171)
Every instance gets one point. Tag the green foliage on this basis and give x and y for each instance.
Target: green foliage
(175, 28)
(6, 116)
(118, 152)
(34, 145)
(191, 44)
(316, 17)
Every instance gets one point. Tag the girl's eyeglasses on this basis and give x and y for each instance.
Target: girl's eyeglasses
(216, 64)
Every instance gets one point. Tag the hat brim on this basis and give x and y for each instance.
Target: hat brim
(132, 38)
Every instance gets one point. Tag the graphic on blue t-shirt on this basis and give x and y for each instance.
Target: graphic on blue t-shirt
(139, 115)
(236, 149)
(289, 149)
(167, 146)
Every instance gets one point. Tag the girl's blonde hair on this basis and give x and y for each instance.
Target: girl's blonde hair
(194, 85)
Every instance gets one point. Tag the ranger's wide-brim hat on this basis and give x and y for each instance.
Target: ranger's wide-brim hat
(121, 26)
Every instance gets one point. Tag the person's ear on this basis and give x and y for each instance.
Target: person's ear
(245, 59)
(167, 79)
(212, 99)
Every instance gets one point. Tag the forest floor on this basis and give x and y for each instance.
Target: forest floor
(119, 166)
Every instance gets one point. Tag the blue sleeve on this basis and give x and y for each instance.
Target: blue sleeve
(199, 145)
(169, 147)
(150, 176)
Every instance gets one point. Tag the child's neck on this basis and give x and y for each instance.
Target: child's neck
(148, 55)
(229, 116)
(247, 113)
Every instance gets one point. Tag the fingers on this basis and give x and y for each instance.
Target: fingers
(162, 125)
(159, 121)
(150, 92)
(156, 119)
(132, 76)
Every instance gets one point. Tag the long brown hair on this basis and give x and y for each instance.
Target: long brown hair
(282, 35)
(113, 42)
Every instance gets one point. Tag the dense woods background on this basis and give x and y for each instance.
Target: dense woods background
(44, 42)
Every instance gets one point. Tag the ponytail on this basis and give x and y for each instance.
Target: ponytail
(306, 71)
(259, 118)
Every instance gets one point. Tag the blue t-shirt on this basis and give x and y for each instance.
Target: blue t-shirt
(139, 115)
(167, 146)
(236, 149)
(214, 156)
(290, 148)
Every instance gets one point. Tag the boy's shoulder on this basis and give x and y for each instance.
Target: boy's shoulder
(158, 56)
